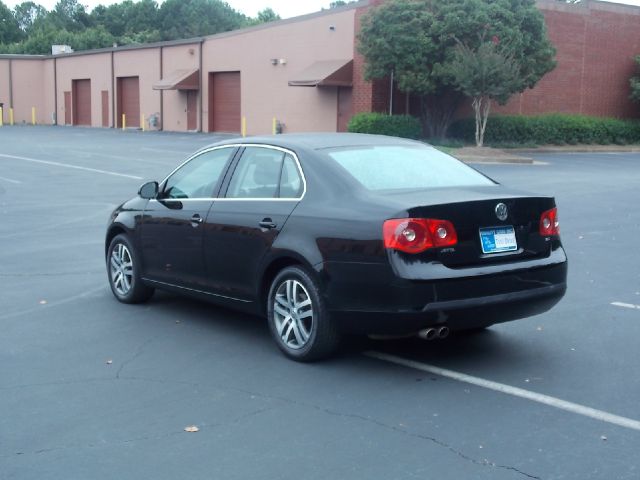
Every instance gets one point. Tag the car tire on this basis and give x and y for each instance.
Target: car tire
(298, 318)
(123, 270)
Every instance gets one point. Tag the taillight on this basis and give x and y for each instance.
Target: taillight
(549, 224)
(415, 235)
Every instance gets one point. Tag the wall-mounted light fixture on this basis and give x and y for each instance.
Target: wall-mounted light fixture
(283, 61)
(274, 61)
(332, 28)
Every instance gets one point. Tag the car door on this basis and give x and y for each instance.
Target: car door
(266, 185)
(171, 230)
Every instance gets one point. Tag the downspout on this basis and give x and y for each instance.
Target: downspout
(55, 91)
(161, 91)
(200, 126)
(113, 95)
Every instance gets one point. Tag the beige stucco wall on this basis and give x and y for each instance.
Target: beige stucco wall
(144, 64)
(28, 91)
(4, 87)
(97, 68)
(48, 92)
(175, 101)
(264, 87)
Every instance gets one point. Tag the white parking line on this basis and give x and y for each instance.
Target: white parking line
(625, 305)
(509, 390)
(66, 165)
(10, 180)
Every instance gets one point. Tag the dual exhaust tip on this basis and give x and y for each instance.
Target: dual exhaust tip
(434, 333)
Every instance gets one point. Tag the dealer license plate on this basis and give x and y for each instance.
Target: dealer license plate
(498, 239)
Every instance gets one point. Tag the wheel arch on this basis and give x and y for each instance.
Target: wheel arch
(114, 229)
(272, 268)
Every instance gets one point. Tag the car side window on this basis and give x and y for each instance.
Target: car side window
(198, 177)
(257, 174)
(290, 180)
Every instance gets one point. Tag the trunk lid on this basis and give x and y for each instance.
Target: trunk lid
(473, 209)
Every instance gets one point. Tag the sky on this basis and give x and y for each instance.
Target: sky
(284, 8)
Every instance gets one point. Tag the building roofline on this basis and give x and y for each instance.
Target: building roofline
(194, 40)
(584, 6)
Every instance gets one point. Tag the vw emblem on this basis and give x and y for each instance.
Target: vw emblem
(501, 211)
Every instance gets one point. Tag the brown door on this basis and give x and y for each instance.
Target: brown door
(67, 108)
(192, 109)
(81, 102)
(224, 102)
(105, 108)
(129, 101)
(344, 108)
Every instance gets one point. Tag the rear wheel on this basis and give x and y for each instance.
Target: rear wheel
(298, 319)
(124, 272)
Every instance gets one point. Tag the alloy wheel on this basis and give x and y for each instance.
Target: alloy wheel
(121, 265)
(293, 314)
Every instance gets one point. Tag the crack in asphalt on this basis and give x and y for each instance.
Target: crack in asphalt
(139, 351)
(327, 411)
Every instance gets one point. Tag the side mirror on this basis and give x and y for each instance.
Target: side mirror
(149, 190)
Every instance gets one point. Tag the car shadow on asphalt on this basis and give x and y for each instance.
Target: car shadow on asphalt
(490, 348)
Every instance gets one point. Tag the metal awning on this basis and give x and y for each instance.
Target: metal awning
(325, 73)
(187, 79)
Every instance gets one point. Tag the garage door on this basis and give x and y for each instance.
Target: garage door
(224, 102)
(81, 92)
(129, 101)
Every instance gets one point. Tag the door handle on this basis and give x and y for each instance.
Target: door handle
(267, 223)
(196, 219)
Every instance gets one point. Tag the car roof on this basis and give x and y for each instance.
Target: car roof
(318, 141)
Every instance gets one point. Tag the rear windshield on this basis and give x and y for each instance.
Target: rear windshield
(404, 167)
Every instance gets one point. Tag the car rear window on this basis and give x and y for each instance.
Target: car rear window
(400, 167)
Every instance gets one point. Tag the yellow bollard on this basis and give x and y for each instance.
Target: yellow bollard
(1, 117)
(273, 126)
(11, 117)
(33, 115)
(142, 121)
(244, 126)
(124, 121)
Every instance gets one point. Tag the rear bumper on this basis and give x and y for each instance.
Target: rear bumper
(370, 298)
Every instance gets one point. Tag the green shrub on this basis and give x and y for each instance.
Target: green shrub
(404, 126)
(551, 129)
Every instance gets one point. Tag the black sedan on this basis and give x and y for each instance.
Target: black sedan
(327, 234)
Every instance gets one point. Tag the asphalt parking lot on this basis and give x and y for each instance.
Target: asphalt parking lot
(93, 389)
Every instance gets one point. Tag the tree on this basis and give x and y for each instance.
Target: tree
(635, 83)
(191, 18)
(9, 28)
(28, 14)
(69, 15)
(418, 41)
(486, 73)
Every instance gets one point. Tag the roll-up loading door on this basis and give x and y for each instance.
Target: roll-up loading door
(224, 102)
(129, 101)
(81, 93)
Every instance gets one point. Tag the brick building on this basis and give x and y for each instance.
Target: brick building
(303, 72)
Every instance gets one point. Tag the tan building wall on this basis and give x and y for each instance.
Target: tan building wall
(296, 44)
(4, 88)
(180, 57)
(48, 107)
(264, 87)
(27, 78)
(95, 67)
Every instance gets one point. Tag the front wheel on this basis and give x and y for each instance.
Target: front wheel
(124, 272)
(298, 319)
